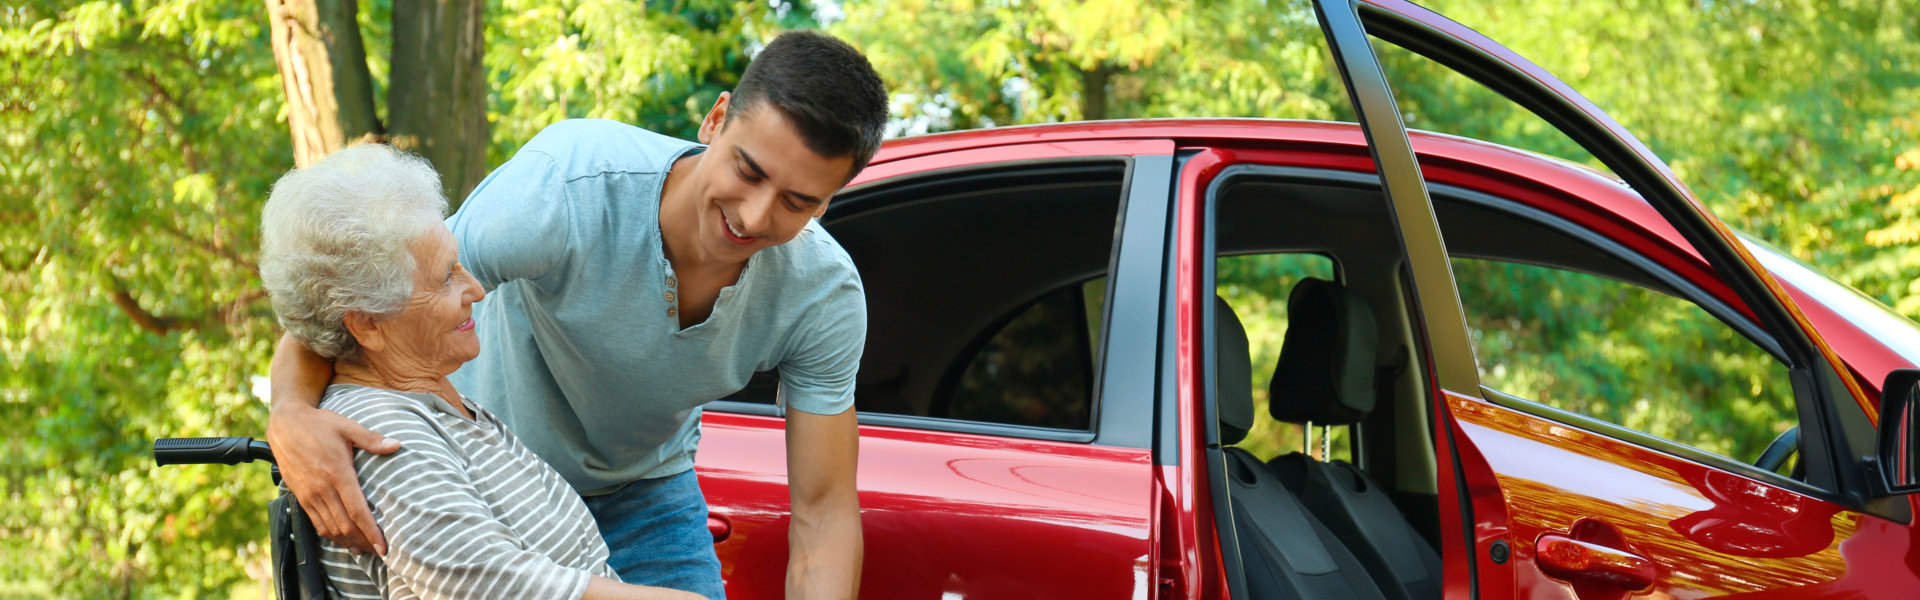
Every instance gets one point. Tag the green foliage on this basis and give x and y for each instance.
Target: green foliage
(1625, 355)
(967, 64)
(132, 310)
(659, 65)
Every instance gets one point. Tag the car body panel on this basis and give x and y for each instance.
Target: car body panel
(1708, 532)
(944, 514)
(1198, 564)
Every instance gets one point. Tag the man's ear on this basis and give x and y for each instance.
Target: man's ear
(366, 330)
(716, 118)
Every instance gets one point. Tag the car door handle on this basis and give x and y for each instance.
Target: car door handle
(720, 527)
(1572, 560)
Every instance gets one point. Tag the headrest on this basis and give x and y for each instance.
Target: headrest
(1233, 374)
(1325, 375)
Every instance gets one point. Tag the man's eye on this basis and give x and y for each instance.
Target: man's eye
(748, 177)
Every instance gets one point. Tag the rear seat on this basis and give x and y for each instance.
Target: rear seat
(1286, 552)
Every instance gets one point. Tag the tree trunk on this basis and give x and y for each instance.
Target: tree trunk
(323, 67)
(1093, 92)
(437, 105)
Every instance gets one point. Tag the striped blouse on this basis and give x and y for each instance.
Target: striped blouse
(467, 510)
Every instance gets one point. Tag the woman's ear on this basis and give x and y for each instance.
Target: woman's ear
(366, 330)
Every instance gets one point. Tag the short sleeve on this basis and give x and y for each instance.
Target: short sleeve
(517, 223)
(818, 374)
(442, 541)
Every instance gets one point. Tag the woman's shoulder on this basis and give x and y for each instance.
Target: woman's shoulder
(376, 408)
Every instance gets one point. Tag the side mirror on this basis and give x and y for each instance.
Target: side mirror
(1898, 450)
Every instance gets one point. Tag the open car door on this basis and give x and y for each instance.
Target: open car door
(1552, 503)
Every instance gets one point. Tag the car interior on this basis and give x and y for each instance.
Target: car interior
(985, 289)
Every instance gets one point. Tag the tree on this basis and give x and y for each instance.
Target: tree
(142, 137)
(959, 65)
(440, 111)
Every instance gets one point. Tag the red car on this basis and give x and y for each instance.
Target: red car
(1053, 398)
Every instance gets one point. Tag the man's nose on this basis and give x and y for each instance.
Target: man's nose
(757, 212)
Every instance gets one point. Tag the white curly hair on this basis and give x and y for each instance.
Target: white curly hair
(334, 240)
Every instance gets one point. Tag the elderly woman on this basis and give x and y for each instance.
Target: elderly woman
(363, 271)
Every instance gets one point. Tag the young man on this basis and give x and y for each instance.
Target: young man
(634, 277)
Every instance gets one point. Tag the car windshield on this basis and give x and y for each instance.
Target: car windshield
(1892, 329)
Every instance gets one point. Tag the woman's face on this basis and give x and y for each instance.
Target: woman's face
(434, 335)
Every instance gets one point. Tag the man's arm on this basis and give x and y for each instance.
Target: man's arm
(825, 542)
(314, 449)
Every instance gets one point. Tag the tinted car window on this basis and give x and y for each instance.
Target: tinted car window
(984, 289)
(1624, 354)
(1036, 370)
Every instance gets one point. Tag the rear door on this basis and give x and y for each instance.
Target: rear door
(1005, 392)
(1564, 498)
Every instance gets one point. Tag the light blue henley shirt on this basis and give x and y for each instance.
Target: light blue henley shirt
(581, 352)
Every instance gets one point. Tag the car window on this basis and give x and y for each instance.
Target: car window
(1036, 370)
(985, 290)
(1624, 354)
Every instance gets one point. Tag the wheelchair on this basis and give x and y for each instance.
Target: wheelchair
(294, 544)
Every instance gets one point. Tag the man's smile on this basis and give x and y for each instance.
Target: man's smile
(734, 235)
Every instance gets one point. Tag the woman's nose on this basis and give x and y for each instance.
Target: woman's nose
(474, 292)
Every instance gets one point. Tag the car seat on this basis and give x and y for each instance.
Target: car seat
(1285, 551)
(1326, 376)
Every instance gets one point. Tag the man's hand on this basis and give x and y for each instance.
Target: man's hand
(824, 539)
(314, 449)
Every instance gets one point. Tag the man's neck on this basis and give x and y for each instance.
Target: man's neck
(680, 223)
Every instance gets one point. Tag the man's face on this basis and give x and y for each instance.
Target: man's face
(760, 184)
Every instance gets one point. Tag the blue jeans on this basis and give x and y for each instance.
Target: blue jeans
(657, 530)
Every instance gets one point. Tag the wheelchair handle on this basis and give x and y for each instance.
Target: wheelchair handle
(217, 450)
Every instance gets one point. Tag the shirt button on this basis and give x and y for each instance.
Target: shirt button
(671, 311)
(669, 296)
(672, 282)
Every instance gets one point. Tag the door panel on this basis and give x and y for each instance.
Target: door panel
(946, 515)
(1706, 532)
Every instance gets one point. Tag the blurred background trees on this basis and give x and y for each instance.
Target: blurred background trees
(141, 136)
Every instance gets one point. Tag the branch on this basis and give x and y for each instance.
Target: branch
(146, 320)
(211, 247)
(227, 314)
(187, 155)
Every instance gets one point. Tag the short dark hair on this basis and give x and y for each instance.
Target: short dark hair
(825, 87)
